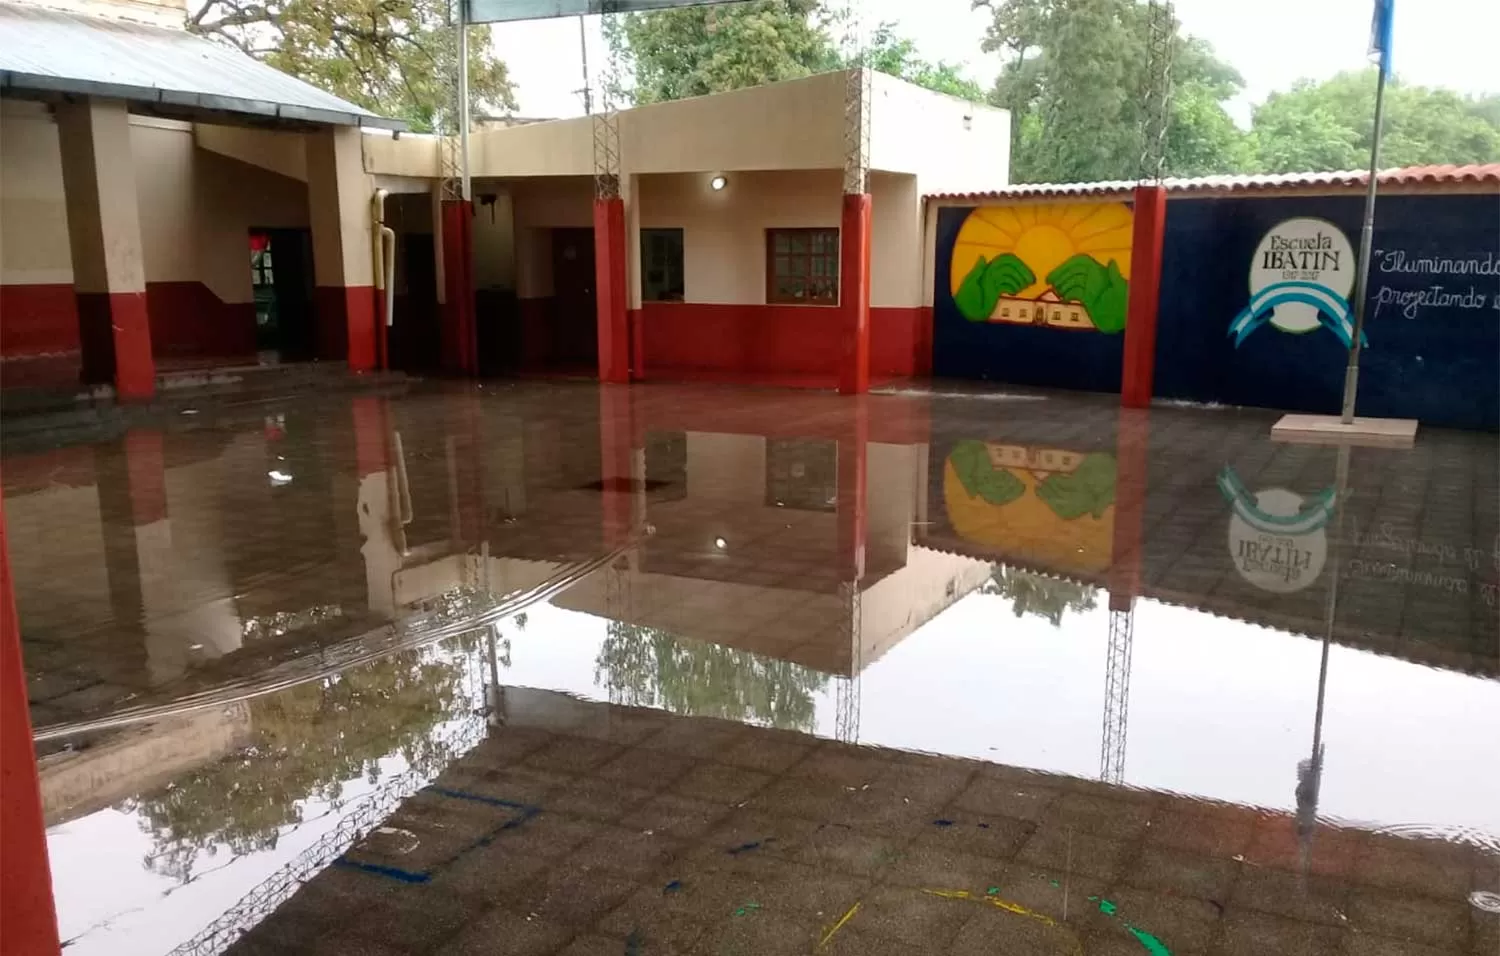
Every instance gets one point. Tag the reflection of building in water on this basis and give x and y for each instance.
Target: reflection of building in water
(1047, 309)
(137, 760)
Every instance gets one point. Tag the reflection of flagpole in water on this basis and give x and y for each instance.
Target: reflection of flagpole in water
(1310, 771)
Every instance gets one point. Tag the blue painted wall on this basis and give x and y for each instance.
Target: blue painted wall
(1021, 355)
(1432, 321)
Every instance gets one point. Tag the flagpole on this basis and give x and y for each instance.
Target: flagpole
(1367, 233)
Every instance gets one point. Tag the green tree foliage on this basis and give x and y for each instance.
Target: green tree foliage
(393, 57)
(1328, 125)
(1038, 594)
(897, 56)
(306, 742)
(1075, 79)
(646, 667)
(695, 51)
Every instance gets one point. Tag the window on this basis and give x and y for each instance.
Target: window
(802, 266)
(661, 265)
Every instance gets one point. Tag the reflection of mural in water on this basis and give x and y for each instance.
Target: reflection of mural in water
(305, 743)
(646, 667)
(1037, 506)
(1057, 265)
(1276, 536)
(1037, 594)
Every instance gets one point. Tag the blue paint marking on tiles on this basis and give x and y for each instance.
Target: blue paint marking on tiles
(527, 811)
(394, 872)
(747, 847)
(942, 823)
(672, 887)
(480, 798)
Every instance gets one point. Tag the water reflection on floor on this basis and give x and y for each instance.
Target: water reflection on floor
(278, 623)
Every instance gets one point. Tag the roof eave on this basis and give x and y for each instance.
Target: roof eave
(12, 80)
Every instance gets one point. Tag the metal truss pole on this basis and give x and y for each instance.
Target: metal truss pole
(1116, 695)
(607, 121)
(857, 96)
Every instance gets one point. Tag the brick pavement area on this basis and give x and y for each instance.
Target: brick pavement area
(636, 833)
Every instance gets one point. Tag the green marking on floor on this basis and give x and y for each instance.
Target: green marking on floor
(1153, 945)
(1107, 907)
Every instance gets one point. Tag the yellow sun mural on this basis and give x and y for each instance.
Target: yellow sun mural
(1060, 265)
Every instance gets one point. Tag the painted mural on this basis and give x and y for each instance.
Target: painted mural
(1256, 305)
(1054, 265)
(1276, 536)
(1047, 508)
(1032, 293)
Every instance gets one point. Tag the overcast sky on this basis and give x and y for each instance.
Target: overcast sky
(1272, 42)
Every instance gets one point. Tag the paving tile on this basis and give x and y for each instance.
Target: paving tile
(1365, 944)
(771, 752)
(1251, 933)
(576, 897)
(1060, 850)
(501, 932)
(1418, 871)
(999, 837)
(1411, 918)
(1223, 833)
(571, 755)
(1185, 925)
(719, 783)
(675, 816)
(420, 920)
(1004, 797)
(1182, 874)
(634, 853)
(645, 769)
(1118, 819)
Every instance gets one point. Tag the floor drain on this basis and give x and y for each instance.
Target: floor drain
(1485, 900)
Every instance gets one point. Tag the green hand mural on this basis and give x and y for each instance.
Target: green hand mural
(1104, 292)
(1088, 490)
(987, 282)
(971, 462)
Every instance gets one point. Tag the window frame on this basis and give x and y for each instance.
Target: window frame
(829, 258)
(681, 269)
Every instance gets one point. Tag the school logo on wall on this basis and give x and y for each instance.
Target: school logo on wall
(1276, 536)
(1300, 280)
(1053, 265)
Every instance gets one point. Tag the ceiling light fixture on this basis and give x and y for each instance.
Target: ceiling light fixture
(718, 183)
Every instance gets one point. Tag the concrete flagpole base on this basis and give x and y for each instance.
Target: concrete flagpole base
(1331, 430)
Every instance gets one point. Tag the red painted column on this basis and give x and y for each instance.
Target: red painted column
(854, 295)
(1150, 228)
(610, 273)
(459, 344)
(372, 446)
(1132, 457)
(28, 915)
(104, 237)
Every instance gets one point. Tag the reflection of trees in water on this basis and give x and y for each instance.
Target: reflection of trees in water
(305, 742)
(1038, 594)
(646, 667)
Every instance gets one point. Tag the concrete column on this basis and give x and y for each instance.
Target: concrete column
(338, 194)
(460, 349)
(104, 234)
(854, 294)
(28, 916)
(611, 271)
(1149, 230)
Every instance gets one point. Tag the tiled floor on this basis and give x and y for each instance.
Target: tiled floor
(614, 834)
(961, 572)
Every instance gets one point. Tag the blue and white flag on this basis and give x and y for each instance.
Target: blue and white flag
(1380, 33)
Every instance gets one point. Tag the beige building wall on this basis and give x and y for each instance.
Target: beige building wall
(950, 145)
(33, 213)
(724, 232)
(196, 206)
(537, 207)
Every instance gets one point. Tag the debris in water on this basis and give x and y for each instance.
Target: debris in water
(672, 887)
(839, 925)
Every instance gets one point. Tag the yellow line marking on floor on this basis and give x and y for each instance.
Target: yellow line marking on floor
(839, 925)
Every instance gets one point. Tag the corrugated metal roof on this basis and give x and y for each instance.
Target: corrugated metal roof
(51, 50)
(1488, 173)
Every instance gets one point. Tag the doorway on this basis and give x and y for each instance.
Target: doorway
(281, 276)
(574, 340)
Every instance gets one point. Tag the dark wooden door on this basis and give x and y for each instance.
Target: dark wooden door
(575, 330)
(296, 337)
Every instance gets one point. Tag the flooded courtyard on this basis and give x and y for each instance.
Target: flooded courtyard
(553, 668)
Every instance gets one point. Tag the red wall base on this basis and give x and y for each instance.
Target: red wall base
(773, 343)
(346, 324)
(38, 319)
(44, 326)
(114, 329)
